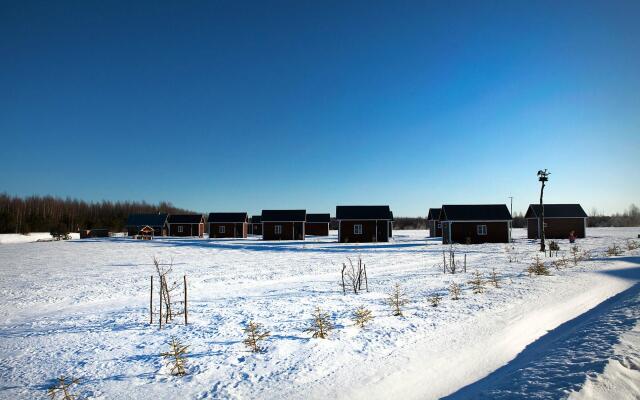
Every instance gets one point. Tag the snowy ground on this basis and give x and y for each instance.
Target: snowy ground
(6, 238)
(80, 309)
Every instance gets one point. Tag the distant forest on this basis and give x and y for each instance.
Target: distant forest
(48, 213)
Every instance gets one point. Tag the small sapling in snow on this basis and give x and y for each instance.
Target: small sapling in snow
(255, 334)
(576, 254)
(320, 324)
(62, 389)
(454, 291)
(614, 250)
(494, 278)
(397, 300)
(538, 267)
(177, 357)
(477, 283)
(362, 316)
(435, 299)
(633, 244)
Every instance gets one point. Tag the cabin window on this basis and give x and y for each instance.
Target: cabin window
(221, 229)
(439, 225)
(482, 230)
(357, 229)
(277, 229)
(180, 228)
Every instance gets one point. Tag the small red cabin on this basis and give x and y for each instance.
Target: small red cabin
(475, 223)
(433, 222)
(186, 225)
(559, 221)
(317, 224)
(255, 226)
(228, 225)
(158, 222)
(364, 223)
(283, 224)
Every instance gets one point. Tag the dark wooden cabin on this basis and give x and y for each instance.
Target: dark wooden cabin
(433, 222)
(255, 227)
(283, 224)
(358, 224)
(475, 223)
(317, 224)
(228, 225)
(559, 221)
(158, 222)
(186, 225)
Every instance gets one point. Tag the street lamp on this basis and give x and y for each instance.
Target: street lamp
(543, 177)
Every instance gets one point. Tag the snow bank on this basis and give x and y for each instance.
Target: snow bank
(6, 238)
(80, 309)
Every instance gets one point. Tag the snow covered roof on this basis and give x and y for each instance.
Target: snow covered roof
(185, 218)
(147, 219)
(319, 218)
(364, 212)
(556, 211)
(434, 214)
(475, 212)
(284, 215)
(228, 217)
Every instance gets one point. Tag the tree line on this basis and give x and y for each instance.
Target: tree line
(48, 213)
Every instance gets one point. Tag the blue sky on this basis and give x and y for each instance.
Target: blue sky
(233, 106)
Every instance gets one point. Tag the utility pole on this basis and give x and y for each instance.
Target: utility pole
(511, 212)
(543, 177)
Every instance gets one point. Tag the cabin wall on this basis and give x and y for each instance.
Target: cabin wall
(467, 232)
(557, 228)
(317, 228)
(434, 230)
(372, 231)
(231, 230)
(188, 230)
(290, 231)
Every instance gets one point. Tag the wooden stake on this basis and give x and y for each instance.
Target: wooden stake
(344, 290)
(465, 263)
(151, 302)
(185, 299)
(366, 280)
(160, 306)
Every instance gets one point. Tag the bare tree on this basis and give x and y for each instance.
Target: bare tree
(494, 278)
(355, 276)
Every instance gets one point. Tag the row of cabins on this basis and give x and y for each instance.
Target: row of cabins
(491, 223)
(355, 224)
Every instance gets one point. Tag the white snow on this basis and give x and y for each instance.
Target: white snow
(6, 238)
(621, 377)
(80, 309)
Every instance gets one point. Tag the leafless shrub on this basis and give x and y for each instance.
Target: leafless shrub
(477, 283)
(355, 275)
(560, 263)
(320, 324)
(255, 334)
(397, 300)
(633, 244)
(62, 389)
(168, 306)
(177, 357)
(538, 267)
(454, 291)
(435, 299)
(512, 254)
(614, 250)
(362, 316)
(576, 254)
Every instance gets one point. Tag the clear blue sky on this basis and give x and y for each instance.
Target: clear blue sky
(225, 106)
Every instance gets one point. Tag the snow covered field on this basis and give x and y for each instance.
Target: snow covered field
(80, 309)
